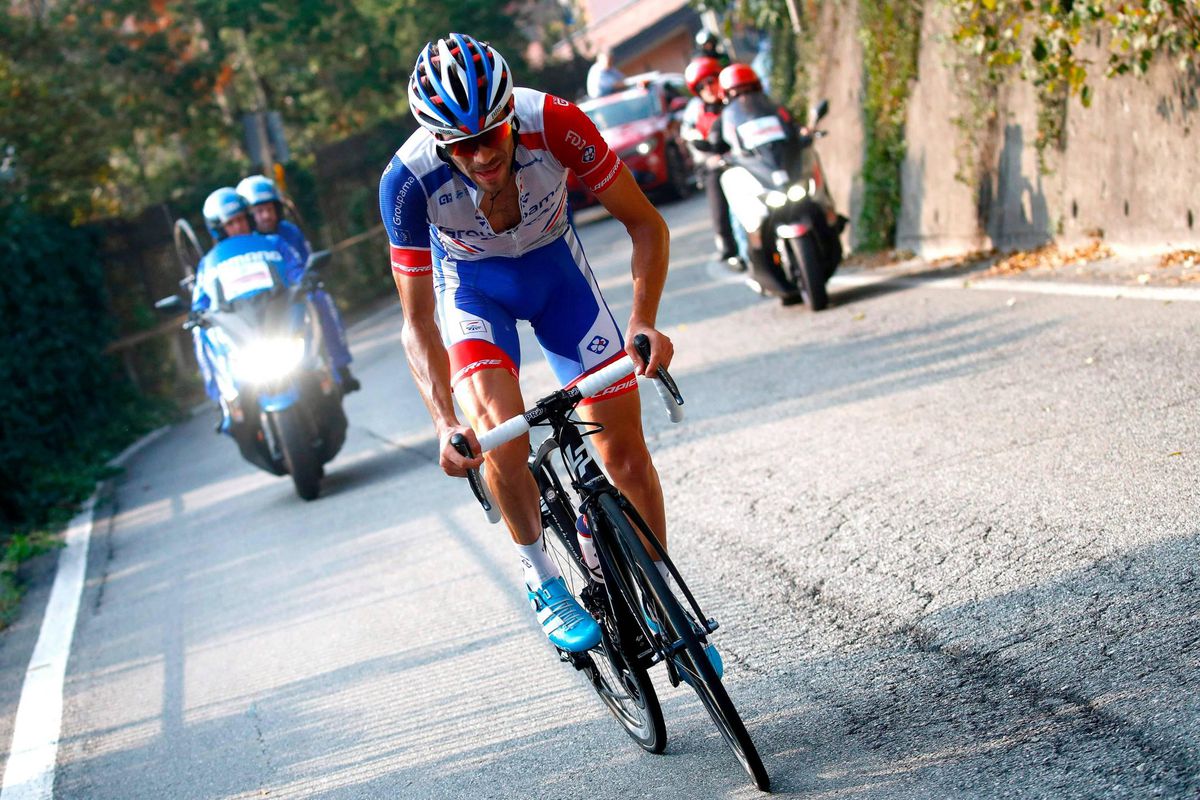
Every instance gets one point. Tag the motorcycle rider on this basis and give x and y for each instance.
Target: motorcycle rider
(228, 221)
(260, 194)
(475, 207)
(703, 112)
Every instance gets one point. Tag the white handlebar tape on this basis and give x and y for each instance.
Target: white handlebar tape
(599, 381)
(674, 410)
(504, 432)
(492, 514)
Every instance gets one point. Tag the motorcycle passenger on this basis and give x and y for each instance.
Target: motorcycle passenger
(265, 204)
(703, 112)
(743, 92)
(475, 207)
(228, 221)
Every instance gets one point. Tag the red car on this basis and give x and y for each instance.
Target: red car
(642, 125)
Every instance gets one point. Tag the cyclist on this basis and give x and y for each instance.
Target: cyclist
(702, 114)
(475, 206)
(265, 204)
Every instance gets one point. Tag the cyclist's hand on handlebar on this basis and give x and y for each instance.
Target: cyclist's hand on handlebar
(661, 349)
(454, 463)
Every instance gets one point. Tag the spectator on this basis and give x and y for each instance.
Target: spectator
(603, 78)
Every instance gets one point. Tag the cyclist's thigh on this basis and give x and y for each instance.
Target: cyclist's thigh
(479, 333)
(575, 329)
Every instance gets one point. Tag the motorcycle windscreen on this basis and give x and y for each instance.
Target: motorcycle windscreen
(765, 141)
(244, 276)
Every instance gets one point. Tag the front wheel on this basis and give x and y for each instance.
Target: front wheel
(299, 455)
(810, 274)
(679, 639)
(618, 680)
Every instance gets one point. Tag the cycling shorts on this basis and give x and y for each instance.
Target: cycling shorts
(553, 288)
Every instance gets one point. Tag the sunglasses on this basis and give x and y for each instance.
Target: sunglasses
(493, 138)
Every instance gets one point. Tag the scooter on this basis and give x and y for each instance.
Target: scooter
(779, 198)
(282, 404)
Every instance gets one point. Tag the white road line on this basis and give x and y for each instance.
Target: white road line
(1162, 294)
(29, 774)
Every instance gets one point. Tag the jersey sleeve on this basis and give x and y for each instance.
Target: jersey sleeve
(403, 206)
(573, 139)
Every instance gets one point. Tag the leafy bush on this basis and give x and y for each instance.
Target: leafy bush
(66, 406)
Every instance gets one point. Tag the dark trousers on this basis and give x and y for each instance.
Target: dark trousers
(718, 209)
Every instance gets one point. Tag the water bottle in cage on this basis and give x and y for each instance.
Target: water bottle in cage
(588, 548)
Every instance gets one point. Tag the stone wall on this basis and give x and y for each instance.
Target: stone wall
(1129, 168)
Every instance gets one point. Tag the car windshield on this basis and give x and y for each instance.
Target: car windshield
(621, 112)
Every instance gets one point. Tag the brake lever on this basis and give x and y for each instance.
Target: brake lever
(459, 443)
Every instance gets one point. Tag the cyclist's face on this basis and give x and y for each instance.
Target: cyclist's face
(265, 217)
(487, 159)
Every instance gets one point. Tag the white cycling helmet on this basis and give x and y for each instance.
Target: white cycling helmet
(257, 189)
(221, 206)
(460, 87)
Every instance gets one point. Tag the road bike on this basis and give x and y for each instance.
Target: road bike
(644, 620)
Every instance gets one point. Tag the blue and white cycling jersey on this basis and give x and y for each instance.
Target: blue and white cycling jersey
(536, 271)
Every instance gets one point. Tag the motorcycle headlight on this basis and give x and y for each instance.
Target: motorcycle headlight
(775, 199)
(796, 193)
(268, 359)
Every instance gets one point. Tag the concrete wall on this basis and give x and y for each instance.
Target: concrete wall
(1130, 167)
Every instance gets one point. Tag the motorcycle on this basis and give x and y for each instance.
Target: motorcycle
(778, 196)
(283, 404)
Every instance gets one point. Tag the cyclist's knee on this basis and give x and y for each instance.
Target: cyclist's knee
(630, 463)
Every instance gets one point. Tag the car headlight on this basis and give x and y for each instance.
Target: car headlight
(268, 359)
(775, 199)
(645, 148)
(796, 193)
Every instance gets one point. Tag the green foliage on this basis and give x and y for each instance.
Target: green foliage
(1043, 43)
(66, 408)
(890, 33)
(106, 108)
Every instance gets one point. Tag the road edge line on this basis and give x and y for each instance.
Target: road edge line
(33, 752)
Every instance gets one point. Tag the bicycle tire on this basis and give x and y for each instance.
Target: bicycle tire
(691, 658)
(621, 684)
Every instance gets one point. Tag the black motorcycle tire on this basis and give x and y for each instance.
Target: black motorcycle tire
(810, 272)
(299, 456)
(679, 182)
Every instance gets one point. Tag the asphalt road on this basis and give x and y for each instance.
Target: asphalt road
(951, 537)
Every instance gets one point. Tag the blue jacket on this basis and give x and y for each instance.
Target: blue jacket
(244, 265)
(291, 234)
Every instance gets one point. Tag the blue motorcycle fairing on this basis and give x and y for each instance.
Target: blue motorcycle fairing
(272, 403)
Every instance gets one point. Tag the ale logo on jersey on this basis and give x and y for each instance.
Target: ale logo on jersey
(598, 344)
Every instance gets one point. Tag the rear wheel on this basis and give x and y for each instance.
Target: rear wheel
(810, 274)
(187, 248)
(299, 455)
(620, 683)
(679, 640)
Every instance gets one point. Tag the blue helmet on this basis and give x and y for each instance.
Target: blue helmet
(220, 207)
(258, 189)
(460, 87)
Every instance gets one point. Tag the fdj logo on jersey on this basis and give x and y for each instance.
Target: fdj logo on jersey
(598, 345)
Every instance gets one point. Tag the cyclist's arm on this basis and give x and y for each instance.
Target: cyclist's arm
(572, 138)
(625, 200)
(430, 366)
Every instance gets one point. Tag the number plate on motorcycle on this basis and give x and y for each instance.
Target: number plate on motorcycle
(241, 276)
(760, 131)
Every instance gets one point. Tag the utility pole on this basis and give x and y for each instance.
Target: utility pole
(265, 151)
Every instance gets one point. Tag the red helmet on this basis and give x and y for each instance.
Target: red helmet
(699, 70)
(739, 79)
